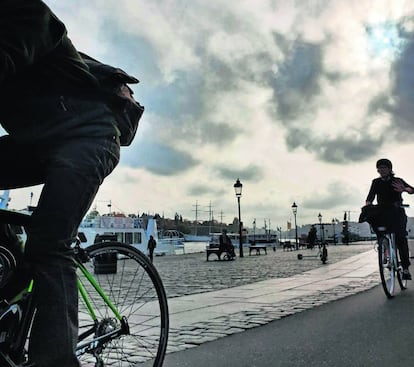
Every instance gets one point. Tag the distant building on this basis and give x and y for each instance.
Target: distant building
(357, 231)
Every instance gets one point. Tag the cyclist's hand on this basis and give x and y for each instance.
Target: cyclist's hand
(398, 185)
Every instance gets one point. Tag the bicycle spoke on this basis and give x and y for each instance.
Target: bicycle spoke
(136, 291)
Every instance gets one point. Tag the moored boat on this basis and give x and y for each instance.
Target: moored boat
(127, 230)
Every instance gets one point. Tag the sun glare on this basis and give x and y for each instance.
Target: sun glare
(383, 40)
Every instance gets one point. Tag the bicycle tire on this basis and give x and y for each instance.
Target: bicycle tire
(402, 282)
(134, 286)
(386, 266)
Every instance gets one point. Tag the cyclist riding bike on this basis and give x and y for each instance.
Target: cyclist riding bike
(388, 191)
(60, 134)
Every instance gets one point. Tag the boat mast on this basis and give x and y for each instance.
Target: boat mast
(196, 217)
(210, 217)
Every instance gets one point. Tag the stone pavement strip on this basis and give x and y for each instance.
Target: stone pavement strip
(203, 317)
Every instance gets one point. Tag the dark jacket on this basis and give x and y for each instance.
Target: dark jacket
(385, 193)
(152, 244)
(40, 73)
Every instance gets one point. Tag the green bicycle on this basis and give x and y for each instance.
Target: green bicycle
(123, 309)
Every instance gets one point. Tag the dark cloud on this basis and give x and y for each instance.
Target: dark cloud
(221, 76)
(159, 159)
(129, 51)
(204, 132)
(250, 173)
(297, 85)
(205, 189)
(378, 103)
(218, 133)
(335, 150)
(398, 102)
(297, 81)
(199, 190)
(401, 105)
(184, 103)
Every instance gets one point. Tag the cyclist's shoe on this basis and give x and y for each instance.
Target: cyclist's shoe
(406, 274)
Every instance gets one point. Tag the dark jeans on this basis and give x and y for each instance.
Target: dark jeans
(400, 230)
(151, 254)
(397, 223)
(71, 172)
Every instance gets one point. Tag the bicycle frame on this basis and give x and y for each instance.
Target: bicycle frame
(25, 300)
(97, 342)
(104, 319)
(28, 310)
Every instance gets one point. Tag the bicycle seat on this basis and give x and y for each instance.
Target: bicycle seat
(11, 217)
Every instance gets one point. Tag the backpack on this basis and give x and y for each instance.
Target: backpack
(113, 83)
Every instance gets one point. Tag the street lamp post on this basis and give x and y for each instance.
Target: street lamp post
(334, 234)
(238, 190)
(295, 211)
(320, 225)
(254, 231)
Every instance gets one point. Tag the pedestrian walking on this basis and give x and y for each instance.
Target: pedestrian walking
(152, 244)
(312, 237)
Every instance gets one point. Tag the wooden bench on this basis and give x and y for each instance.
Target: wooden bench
(257, 248)
(219, 253)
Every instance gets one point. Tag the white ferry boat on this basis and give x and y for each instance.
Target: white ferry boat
(127, 230)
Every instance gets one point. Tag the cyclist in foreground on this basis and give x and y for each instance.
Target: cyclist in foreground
(388, 190)
(60, 134)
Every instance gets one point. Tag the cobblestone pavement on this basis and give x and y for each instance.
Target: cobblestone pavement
(191, 274)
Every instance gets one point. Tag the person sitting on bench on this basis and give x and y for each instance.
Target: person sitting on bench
(225, 244)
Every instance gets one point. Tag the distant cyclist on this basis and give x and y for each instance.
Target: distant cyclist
(388, 189)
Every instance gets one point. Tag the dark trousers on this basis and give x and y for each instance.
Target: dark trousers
(395, 219)
(400, 229)
(71, 172)
(151, 254)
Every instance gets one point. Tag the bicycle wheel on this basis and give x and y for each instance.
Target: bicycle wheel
(402, 282)
(386, 266)
(134, 287)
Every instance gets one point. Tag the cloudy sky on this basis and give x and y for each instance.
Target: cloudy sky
(298, 99)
